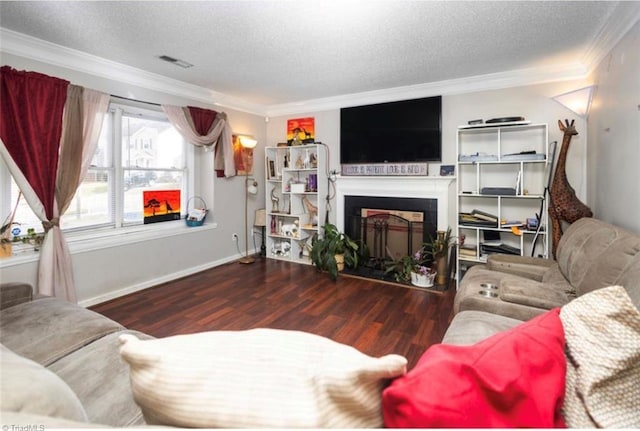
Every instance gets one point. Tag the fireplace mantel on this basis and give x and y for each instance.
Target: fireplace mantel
(424, 187)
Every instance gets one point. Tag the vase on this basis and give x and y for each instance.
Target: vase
(441, 269)
(340, 261)
(422, 280)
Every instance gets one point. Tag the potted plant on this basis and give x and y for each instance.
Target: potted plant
(438, 249)
(334, 250)
(412, 269)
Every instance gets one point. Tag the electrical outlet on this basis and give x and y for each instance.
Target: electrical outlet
(234, 237)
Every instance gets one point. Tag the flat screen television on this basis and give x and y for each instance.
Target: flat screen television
(394, 132)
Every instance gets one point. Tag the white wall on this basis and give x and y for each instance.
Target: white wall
(101, 274)
(532, 102)
(614, 135)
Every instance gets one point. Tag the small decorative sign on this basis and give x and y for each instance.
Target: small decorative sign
(386, 169)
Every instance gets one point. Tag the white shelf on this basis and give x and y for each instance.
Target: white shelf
(491, 141)
(289, 231)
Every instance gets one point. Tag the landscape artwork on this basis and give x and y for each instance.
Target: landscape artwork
(301, 130)
(161, 205)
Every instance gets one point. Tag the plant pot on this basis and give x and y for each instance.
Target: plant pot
(340, 261)
(441, 269)
(422, 280)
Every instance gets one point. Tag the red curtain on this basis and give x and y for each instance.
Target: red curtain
(202, 122)
(31, 106)
(202, 119)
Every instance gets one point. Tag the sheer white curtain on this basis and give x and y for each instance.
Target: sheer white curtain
(219, 132)
(55, 276)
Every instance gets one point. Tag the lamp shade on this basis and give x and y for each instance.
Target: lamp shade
(247, 142)
(579, 101)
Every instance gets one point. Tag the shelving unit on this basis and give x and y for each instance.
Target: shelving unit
(502, 171)
(296, 182)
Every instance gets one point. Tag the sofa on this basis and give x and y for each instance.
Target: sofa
(61, 364)
(591, 254)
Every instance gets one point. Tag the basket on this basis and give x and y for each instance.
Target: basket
(195, 222)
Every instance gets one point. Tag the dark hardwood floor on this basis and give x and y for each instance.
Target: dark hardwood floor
(376, 318)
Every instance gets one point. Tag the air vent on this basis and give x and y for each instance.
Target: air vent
(175, 61)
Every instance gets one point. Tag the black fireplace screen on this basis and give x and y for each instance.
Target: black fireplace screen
(378, 222)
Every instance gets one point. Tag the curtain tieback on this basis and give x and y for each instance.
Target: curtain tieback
(50, 224)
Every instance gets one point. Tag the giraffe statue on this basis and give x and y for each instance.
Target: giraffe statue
(564, 204)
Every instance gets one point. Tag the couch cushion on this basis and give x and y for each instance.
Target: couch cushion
(47, 329)
(101, 379)
(469, 327)
(469, 298)
(603, 369)
(513, 379)
(533, 293)
(594, 254)
(257, 378)
(27, 387)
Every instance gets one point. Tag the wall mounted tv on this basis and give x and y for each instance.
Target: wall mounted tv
(394, 132)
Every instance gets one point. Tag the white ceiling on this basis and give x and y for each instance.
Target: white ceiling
(277, 53)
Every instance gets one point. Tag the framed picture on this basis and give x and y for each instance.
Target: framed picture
(447, 170)
(160, 205)
(272, 169)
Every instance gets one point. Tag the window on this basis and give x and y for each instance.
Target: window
(138, 150)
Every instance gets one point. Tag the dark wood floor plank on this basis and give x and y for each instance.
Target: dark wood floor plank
(376, 318)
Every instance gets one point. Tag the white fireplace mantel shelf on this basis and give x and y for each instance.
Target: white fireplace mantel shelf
(422, 187)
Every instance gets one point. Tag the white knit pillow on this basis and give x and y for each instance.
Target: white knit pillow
(257, 378)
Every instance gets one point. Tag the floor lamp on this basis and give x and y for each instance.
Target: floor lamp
(250, 187)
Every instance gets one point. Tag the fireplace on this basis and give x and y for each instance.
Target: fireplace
(390, 226)
(427, 195)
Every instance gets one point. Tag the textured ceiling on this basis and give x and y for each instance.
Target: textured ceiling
(274, 52)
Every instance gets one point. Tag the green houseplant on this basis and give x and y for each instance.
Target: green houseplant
(406, 268)
(326, 252)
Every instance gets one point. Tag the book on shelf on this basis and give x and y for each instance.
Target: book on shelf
(471, 220)
(511, 223)
(502, 249)
(467, 251)
(484, 215)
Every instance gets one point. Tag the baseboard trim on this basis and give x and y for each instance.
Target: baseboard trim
(154, 282)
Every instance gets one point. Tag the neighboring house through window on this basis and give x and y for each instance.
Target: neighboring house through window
(138, 150)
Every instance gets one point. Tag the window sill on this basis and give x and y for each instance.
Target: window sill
(81, 242)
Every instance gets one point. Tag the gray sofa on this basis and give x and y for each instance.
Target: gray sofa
(591, 254)
(61, 365)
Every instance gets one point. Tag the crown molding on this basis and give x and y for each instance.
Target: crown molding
(36, 49)
(625, 15)
(493, 81)
(40, 50)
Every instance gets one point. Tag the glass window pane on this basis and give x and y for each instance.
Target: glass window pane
(24, 218)
(137, 181)
(148, 143)
(92, 203)
(103, 154)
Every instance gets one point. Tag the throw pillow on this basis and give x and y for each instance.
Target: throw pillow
(28, 387)
(602, 329)
(257, 378)
(510, 380)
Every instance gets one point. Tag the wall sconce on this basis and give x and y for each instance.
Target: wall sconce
(578, 101)
(243, 153)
